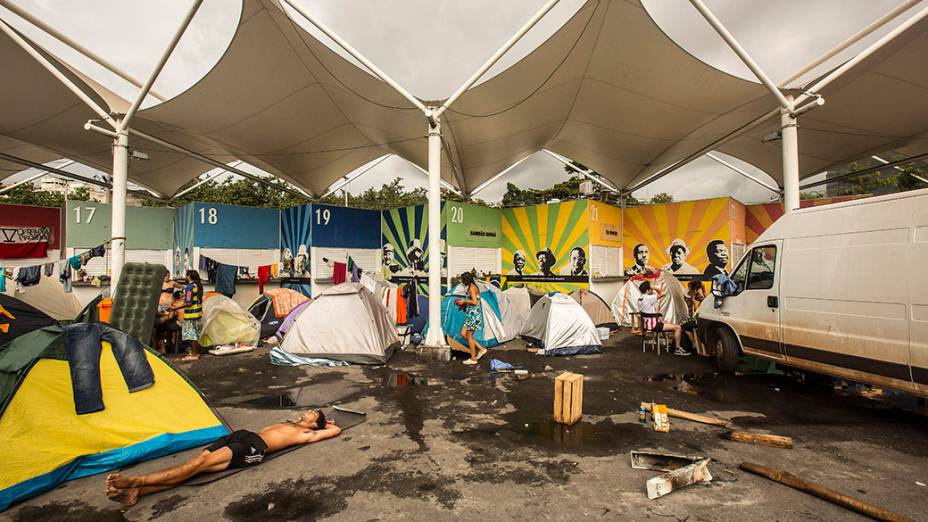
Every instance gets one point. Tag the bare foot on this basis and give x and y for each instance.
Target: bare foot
(118, 481)
(127, 497)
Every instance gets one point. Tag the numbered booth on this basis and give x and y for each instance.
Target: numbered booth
(245, 237)
(88, 224)
(474, 238)
(29, 235)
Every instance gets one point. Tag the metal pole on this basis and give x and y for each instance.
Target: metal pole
(772, 188)
(496, 56)
(205, 159)
(51, 68)
(851, 40)
(25, 15)
(354, 176)
(44, 172)
(492, 180)
(118, 210)
(588, 174)
(435, 337)
(790, 149)
(160, 65)
(735, 46)
(357, 55)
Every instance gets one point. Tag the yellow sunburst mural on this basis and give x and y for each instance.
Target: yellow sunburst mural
(690, 238)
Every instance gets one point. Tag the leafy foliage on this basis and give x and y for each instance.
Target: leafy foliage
(28, 194)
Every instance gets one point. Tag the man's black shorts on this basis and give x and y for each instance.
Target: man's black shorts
(247, 448)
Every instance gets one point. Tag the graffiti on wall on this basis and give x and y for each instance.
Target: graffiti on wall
(688, 239)
(545, 246)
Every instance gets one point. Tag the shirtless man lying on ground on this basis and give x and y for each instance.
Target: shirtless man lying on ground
(238, 449)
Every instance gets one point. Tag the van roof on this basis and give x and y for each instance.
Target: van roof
(774, 231)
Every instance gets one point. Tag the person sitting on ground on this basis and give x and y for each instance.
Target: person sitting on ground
(239, 449)
(697, 294)
(473, 319)
(651, 318)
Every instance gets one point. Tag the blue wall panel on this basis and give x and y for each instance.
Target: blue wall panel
(341, 227)
(231, 226)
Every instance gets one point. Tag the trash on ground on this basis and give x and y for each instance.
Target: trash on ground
(788, 479)
(659, 419)
(654, 461)
(746, 437)
(680, 414)
(229, 350)
(679, 478)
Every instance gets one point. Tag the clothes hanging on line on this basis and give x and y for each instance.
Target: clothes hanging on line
(264, 275)
(225, 279)
(64, 275)
(339, 273)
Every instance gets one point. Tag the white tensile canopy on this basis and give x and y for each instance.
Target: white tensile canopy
(608, 89)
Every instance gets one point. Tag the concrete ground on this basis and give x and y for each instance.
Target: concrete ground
(454, 442)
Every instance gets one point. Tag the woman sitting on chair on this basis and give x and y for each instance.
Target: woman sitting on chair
(651, 318)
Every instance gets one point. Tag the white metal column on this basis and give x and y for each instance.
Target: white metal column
(118, 222)
(435, 337)
(790, 146)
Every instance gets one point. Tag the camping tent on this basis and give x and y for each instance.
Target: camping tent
(595, 307)
(345, 323)
(672, 306)
(558, 325)
(49, 297)
(492, 332)
(43, 442)
(225, 322)
(289, 321)
(520, 304)
(273, 306)
(18, 318)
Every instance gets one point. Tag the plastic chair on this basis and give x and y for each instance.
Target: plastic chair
(652, 337)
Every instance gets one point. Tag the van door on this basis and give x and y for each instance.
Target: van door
(754, 312)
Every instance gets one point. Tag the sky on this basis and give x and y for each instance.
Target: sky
(432, 46)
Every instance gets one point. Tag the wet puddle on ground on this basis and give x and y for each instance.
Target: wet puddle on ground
(582, 435)
(402, 378)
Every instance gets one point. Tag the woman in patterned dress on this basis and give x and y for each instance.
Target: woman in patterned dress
(473, 319)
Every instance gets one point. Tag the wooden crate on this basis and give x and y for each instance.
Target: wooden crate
(568, 398)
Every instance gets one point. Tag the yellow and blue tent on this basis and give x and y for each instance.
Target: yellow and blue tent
(43, 442)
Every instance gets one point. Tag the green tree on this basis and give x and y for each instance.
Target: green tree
(661, 197)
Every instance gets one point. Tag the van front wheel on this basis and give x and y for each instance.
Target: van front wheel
(727, 351)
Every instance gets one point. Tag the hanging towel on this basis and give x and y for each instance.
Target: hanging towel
(28, 276)
(264, 274)
(339, 273)
(202, 264)
(49, 269)
(225, 279)
(64, 275)
(275, 270)
(355, 270)
(98, 251)
(75, 262)
(85, 257)
(2, 279)
(400, 307)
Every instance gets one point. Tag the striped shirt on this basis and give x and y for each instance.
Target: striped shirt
(194, 302)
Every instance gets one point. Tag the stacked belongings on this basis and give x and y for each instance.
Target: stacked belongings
(86, 399)
(596, 308)
(344, 324)
(672, 307)
(226, 323)
(273, 306)
(491, 331)
(558, 325)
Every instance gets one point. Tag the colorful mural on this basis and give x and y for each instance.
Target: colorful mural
(689, 239)
(605, 225)
(406, 243)
(295, 242)
(546, 246)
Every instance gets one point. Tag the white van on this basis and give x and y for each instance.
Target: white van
(839, 289)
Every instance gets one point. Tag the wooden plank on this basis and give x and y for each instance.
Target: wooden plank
(565, 412)
(558, 399)
(576, 403)
(746, 437)
(679, 478)
(840, 499)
